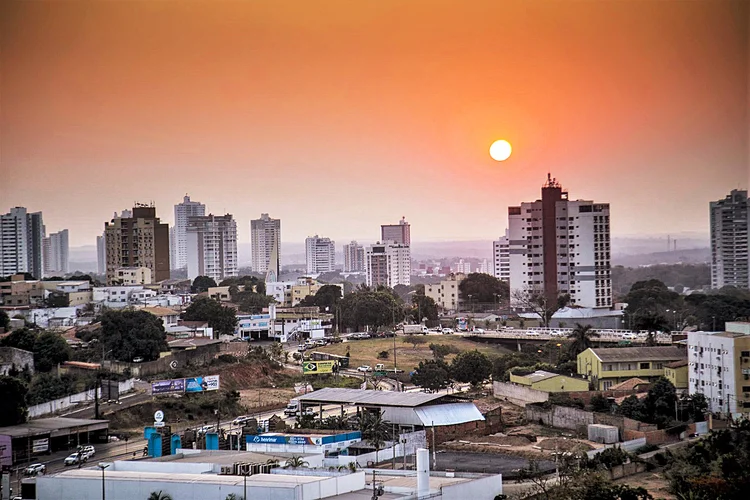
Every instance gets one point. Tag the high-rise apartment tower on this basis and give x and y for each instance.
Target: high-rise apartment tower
(182, 212)
(730, 239)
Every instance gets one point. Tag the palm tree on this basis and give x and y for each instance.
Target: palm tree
(581, 336)
(295, 461)
(159, 496)
(273, 461)
(232, 496)
(652, 322)
(374, 430)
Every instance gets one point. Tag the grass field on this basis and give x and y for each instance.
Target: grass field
(365, 352)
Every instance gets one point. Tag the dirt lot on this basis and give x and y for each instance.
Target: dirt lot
(654, 482)
(265, 399)
(365, 352)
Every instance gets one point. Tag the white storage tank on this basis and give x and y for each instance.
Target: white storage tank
(607, 434)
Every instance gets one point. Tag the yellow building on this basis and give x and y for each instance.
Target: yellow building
(445, 293)
(133, 276)
(610, 366)
(550, 382)
(677, 373)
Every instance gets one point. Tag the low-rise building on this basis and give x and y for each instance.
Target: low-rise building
(609, 366)
(719, 367)
(133, 276)
(545, 381)
(445, 294)
(21, 292)
(168, 316)
(677, 373)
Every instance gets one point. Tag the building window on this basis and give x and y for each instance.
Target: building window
(645, 366)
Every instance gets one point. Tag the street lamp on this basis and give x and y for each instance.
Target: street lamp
(103, 466)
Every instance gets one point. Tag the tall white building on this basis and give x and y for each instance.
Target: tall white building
(178, 233)
(211, 245)
(21, 243)
(730, 238)
(559, 246)
(101, 254)
(463, 267)
(501, 258)
(354, 257)
(388, 264)
(56, 254)
(265, 239)
(320, 254)
(719, 367)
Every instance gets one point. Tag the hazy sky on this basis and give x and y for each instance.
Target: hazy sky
(338, 116)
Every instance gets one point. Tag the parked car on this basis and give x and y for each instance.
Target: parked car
(478, 330)
(320, 342)
(556, 333)
(448, 331)
(89, 451)
(364, 369)
(336, 340)
(74, 459)
(532, 333)
(629, 336)
(138, 360)
(34, 469)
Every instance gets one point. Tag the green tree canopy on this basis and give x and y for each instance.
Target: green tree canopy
(484, 289)
(252, 302)
(472, 367)
(23, 338)
(221, 318)
(581, 339)
(423, 307)
(365, 307)
(202, 284)
(327, 296)
(50, 349)
(432, 375)
(4, 320)
(130, 334)
(251, 283)
(13, 395)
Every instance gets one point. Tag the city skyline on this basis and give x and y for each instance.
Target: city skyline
(653, 118)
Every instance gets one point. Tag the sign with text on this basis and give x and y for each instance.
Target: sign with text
(39, 445)
(315, 367)
(202, 384)
(168, 386)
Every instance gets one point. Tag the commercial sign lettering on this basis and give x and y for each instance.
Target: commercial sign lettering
(202, 384)
(315, 367)
(293, 440)
(168, 386)
(40, 445)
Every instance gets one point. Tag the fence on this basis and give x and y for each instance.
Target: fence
(73, 400)
(629, 446)
(413, 440)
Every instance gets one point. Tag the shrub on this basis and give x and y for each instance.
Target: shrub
(646, 448)
(383, 355)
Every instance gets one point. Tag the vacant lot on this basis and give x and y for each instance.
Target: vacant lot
(365, 352)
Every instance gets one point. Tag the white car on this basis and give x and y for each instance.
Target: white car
(75, 458)
(629, 336)
(478, 330)
(241, 420)
(138, 360)
(448, 331)
(364, 369)
(556, 333)
(34, 469)
(206, 428)
(532, 333)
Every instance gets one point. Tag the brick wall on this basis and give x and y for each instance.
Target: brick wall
(492, 423)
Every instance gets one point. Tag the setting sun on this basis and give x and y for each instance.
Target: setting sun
(500, 150)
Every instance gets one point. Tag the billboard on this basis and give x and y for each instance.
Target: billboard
(168, 386)
(6, 452)
(40, 445)
(202, 384)
(315, 367)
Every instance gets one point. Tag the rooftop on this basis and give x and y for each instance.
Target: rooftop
(225, 457)
(678, 364)
(361, 397)
(160, 311)
(540, 375)
(267, 480)
(730, 335)
(55, 425)
(448, 414)
(615, 354)
(629, 385)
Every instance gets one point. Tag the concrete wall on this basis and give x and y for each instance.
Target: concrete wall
(193, 357)
(73, 400)
(562, 417)
(11, 357)
(629, 446)
(484, 488)
(518, 394)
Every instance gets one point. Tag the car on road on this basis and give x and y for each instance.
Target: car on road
(556, 333)
(242, 420)
(448, 331)
(138, 360)
(532, 333)
(320, 342)
(478, 330)
(206, 428)
(360, 336)
(629, 336)
(75, 459)
(364, 369)
(34, 469)
(89, 451)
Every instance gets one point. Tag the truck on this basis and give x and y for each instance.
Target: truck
(294, 408)
(414, 329)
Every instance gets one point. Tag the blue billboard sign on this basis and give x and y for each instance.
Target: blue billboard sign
(266, 440)
(202, 384)
(168, 386)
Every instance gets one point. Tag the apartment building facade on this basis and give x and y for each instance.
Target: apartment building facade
(211, 246)
(560, 246)
(354, 258)
(178, 244)
(320, 254)
(388, 264)
(610, 366)
(445, 293)
(265, 240)
(501, 258)
(730, 241)
(719, 367)
(137, 239)
(397, 233)
(56, 254)
(21, 243)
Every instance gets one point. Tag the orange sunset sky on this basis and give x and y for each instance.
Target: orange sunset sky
(338, 116)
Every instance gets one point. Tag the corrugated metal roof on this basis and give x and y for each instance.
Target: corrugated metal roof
(670, 353)
(333, 395)
(448, 414)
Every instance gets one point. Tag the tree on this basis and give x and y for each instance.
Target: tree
(202, 284)
(581, 339)
(484, 289)
(130, 334)
(652, 322)
(632, 407)
(295, 461)
(472, 367)
(158, 495)
(432, 375)
(221, 318)
(660, 402)
(540, 304)
(328, 296)
(50, 349)
(374, 430)
(423, 307)
(252, 302)
(600, 404)
(251, 283)
(414, 340)
(23, 338)
(13, 395)
(4, 321)
(365, 307)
